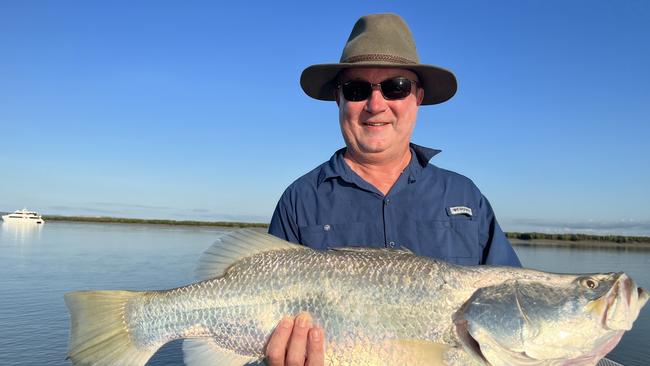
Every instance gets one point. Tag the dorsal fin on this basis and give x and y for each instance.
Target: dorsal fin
(234, 246)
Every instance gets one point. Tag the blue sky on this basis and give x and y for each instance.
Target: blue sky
(193, 110)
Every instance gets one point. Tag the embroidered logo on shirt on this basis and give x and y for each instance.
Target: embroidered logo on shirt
(460, 210)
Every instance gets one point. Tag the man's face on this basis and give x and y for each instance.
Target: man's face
(376, 125)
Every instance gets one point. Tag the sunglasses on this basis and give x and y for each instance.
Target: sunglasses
(392, 89)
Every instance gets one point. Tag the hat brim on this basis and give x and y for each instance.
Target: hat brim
(318, 81)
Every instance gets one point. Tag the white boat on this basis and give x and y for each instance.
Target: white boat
(23, 216)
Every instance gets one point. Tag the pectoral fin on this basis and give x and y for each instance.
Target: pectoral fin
(421, 352)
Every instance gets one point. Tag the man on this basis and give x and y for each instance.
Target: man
(380, 190)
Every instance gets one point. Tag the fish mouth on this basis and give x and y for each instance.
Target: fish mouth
(643, 296)
(621, 305)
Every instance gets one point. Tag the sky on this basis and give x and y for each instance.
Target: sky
(193, 109)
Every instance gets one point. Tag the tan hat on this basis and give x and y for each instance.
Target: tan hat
(380, 41)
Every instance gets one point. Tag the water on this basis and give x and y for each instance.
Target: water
(633, 349)
(38, 264)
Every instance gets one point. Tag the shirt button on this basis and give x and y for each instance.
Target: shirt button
(387, 201)
(391, 244)
(326, 227)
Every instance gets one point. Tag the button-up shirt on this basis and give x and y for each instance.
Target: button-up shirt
(431, 211)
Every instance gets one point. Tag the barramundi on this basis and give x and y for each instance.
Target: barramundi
(377, 307)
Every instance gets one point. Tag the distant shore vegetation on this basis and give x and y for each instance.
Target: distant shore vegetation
(520, 238)
(125, 220)
(580, 237)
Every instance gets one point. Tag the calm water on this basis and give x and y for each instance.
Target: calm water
(39, 264)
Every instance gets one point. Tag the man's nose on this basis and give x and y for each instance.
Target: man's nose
(375, 102)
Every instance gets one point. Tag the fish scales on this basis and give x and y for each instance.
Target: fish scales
(351, 294)
(377, 307)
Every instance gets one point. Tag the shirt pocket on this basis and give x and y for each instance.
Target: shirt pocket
(453, 240)
(325, 236)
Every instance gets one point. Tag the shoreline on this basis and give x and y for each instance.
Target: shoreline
(578, 241)
(581, 244)
(125, 220)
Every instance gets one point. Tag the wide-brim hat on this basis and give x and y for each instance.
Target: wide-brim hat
(380, 41)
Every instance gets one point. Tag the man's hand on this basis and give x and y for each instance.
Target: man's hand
(296, 342)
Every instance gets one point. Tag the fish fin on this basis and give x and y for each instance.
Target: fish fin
(206, 352)
(422, 352)
(98, 334)
(236, 245)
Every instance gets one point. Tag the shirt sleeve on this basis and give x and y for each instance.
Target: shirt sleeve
(497, 249)
(283, 223)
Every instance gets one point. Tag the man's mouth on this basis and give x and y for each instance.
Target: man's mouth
(376, 124)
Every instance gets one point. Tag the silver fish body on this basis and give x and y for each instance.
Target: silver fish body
(378, 307)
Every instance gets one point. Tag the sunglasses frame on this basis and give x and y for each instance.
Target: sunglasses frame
(340, 86)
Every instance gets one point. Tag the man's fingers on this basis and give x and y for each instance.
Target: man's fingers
(297, 348)
(315, 347)
(295, 343)
(276, 348)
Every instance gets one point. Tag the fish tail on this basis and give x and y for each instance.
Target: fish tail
(98, 331)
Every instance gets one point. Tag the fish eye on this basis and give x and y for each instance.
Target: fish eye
(589, 283)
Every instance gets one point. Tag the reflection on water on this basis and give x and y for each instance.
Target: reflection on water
(39, 263)
(21, 232)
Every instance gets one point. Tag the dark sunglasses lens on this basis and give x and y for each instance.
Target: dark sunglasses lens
(356, 90)
(396, 88)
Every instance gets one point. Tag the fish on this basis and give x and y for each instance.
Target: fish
(377, 307)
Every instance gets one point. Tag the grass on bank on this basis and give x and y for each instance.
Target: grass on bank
(231, 224)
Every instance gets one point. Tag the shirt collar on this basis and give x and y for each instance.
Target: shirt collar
(337, 167)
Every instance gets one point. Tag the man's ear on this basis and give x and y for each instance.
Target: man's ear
(420, 95)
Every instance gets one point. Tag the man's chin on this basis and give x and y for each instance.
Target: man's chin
(375, 153)
(373, 149)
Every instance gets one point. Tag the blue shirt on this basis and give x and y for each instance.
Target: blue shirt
(429, 210)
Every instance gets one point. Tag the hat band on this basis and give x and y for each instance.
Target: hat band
(378, 57)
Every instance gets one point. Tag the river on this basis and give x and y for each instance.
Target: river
(39, 263)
